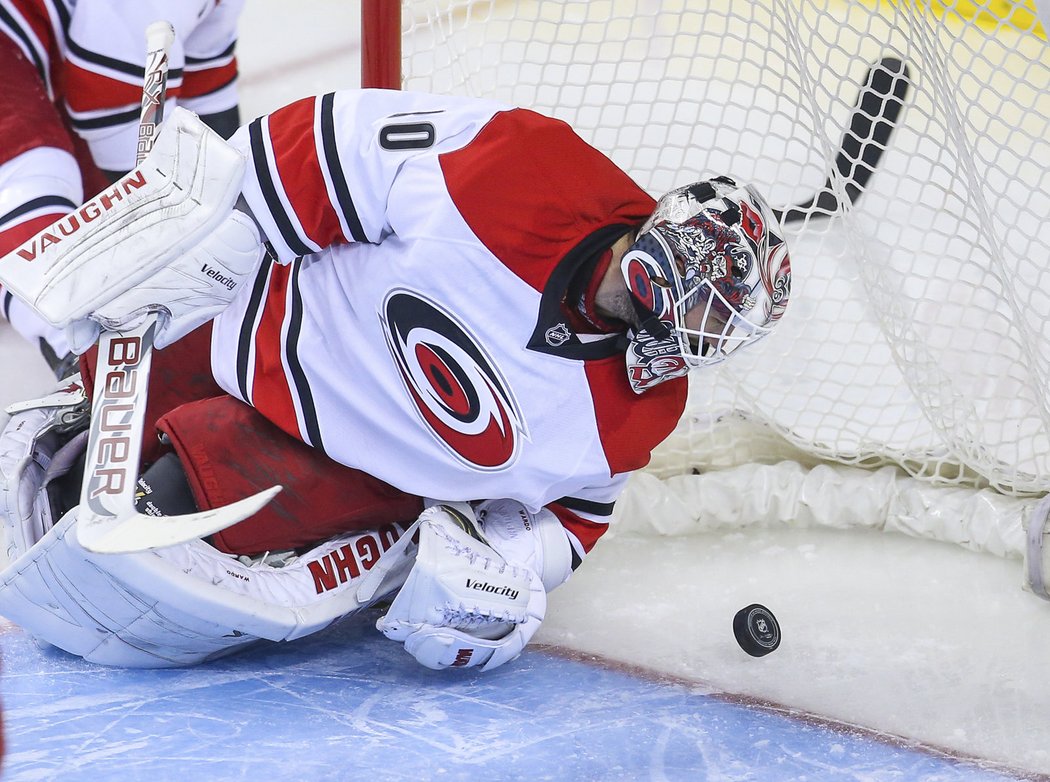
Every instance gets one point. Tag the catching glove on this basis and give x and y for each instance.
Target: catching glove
(463, 604)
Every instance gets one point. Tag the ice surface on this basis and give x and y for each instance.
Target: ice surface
(931, 652)
(347, 704)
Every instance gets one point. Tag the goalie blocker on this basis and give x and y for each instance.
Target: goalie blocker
(192, 250)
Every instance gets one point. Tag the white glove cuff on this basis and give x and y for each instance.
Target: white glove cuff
(536, 540)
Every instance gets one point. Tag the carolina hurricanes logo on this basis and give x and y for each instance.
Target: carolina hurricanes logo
(641, 283)
(457, 389)
(642, 268)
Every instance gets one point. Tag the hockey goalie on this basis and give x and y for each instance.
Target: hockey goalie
(447, 327)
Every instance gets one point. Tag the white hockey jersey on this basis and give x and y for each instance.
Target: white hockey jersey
(418, 328)
(90, 54)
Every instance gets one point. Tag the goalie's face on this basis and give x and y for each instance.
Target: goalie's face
(709, 274)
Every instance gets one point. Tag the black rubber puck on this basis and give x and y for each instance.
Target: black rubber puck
(756, 630)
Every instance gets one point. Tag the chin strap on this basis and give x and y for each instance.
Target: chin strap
(653, 326)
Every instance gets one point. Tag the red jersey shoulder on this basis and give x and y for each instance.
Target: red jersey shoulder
(531, 189)
(631, 425)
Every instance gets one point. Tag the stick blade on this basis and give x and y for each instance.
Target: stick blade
(872, 123)
(131, 532)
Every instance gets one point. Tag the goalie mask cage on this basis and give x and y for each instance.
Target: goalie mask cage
(915, 350)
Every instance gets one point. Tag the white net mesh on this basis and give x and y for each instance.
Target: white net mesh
(918, 329)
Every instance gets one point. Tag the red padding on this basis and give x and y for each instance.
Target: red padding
(230, 451)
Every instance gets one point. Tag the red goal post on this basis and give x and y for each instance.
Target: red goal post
(914, 359)
(381, 44)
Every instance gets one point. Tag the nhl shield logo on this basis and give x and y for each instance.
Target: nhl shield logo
(557, 336)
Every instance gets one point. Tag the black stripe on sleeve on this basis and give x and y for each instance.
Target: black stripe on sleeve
(269, 191)
(577, 560)
(107, 120)
(587, 506)
(302, 384)
(5, 303)
(113, 64)
(36, 203)
(251, 316)
(64, 14)
(335, 169)
(228, 52)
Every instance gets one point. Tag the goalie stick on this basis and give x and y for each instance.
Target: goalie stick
(108, 521)
(872, 123)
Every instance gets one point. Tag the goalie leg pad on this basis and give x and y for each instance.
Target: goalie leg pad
(38, 445)
(184, 604)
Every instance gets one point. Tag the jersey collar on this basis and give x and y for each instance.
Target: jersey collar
(557, 334)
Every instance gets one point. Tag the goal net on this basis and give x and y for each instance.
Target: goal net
(915, 351)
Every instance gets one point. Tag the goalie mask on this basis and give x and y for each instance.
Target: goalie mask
(708, 274)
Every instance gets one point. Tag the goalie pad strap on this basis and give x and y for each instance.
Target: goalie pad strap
(229, 450)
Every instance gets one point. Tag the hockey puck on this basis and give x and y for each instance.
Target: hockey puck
(756, 630)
